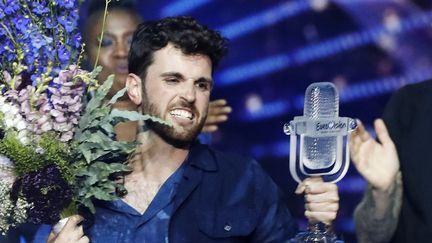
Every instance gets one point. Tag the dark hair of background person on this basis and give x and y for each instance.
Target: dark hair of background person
(183, 32)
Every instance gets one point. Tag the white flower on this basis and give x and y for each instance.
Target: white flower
(21, 124)
(46, 127)
(6, 170)
(14, 110)
(5, 108)
(8, 121)
(39, 150)
(22, 137)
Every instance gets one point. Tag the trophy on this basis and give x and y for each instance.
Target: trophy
(323, 149)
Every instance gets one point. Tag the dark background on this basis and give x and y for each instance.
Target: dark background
(367, 48)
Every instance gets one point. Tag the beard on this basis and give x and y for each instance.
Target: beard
(179, 139)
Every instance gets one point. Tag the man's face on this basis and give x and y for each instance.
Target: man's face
(177, 89)
(113, 56)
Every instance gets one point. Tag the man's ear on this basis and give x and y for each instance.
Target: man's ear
(133, 83)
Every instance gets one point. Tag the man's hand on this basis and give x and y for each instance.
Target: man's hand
(321, 200)
(218, 113)
(72, 232)
(377, 162)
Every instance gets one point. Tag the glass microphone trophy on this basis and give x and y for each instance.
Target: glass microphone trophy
(323, 149)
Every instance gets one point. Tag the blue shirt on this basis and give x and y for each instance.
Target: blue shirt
(220, 198)
(116, 221)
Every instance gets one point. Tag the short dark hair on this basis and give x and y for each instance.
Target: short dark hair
(184, 32)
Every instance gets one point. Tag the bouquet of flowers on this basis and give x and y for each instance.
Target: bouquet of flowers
(57, 146)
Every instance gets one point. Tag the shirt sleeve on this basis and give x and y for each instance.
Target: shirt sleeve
(276, 223)
(371, 229)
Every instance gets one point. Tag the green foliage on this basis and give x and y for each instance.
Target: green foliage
(25, 157)
(57, 153)
(100, 156)
(95, 183)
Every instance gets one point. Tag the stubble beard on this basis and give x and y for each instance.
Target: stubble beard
(169, 134)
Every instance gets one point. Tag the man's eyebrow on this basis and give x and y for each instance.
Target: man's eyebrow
(173, 74)
(180, 76)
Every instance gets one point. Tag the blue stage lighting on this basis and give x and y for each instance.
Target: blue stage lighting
(321, 50)
(264, 18)
(181, 7)
(269, 109)
(360, 90)
(251, 70)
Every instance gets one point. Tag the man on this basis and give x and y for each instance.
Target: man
(179, 190)
(120, 24)
(397, 204)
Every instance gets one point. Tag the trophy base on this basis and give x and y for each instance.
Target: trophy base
(317, 233)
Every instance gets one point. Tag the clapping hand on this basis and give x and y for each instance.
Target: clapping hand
(377, 162)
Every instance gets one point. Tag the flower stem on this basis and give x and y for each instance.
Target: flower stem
(70, 210)
(102, 32)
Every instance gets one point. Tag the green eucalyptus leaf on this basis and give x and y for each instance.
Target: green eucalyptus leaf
(95, 72)
(135, 116)
(119, 94)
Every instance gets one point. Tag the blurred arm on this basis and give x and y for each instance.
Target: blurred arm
(376, 216)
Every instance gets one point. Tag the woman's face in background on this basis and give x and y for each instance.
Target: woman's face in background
(113, 57)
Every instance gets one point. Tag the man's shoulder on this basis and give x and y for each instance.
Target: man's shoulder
(416, 89)
(409, 98)
(232, 159)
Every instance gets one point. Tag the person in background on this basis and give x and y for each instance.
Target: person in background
(180, 190)
(120, 24)
(396, 206)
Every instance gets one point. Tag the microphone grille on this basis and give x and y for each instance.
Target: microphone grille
(321, 101)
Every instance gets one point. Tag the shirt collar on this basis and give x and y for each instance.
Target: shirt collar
(202, 157)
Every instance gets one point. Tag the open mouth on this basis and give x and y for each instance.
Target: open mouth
(183, 114)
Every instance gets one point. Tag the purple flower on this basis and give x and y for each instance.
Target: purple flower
(11, 7)
(69, 4)
(39, 8)
(47, 190)
(37, 40)
(50, 22)
(2, 14)
(63, 54)
(21, 23)
(68, 22)
(76, 40)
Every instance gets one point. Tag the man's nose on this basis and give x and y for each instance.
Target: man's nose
(189, 92)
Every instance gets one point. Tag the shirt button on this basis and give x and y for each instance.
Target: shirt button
(227, 227)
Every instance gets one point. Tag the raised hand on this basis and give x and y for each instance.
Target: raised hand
(377, 162)
(218, 113)
(72, 232)
(321, 200)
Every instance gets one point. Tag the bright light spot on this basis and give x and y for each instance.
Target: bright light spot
(253, 103)
(319, 5)
(391, 20)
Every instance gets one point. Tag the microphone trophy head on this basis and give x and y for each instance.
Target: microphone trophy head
(324, 136)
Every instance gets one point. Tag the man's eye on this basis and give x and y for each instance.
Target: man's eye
(203, 86)
(172, 80)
